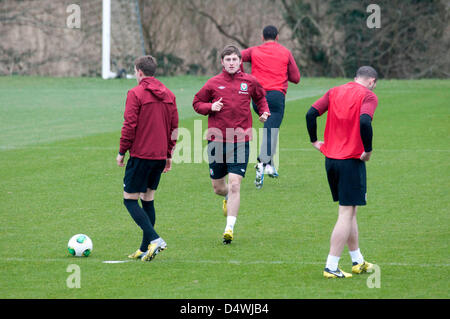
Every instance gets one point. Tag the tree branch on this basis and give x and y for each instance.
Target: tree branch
(219, 27)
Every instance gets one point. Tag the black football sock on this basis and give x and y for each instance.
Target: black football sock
(143, 221)
(149, 208)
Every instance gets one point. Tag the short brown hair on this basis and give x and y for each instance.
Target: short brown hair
(230, 49)
(367, 72)
(147, 64)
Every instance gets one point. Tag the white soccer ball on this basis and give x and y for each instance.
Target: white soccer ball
(80, 245)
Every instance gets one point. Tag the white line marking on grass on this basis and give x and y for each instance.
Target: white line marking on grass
(298, 149)
(378, 150)
(71, 259)
(113, 148)
(211, 261)
(415, 265)
(68, 147)
(279, 262)
(38, 259)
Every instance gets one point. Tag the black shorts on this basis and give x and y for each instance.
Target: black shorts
(347, 180)
(227, 158)
(141, 174)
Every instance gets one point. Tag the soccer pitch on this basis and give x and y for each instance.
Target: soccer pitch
(58, 144)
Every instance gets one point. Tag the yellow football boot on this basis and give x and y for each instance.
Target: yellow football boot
(153, 250)
(227, 236)
(327, 273)
(361, 268)
(137, 254)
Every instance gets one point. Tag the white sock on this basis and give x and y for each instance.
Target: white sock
(231, 220)
(356, 256)
(332, 262)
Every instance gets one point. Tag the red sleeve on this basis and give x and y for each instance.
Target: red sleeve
(202, 101)
(369, 104)
(321, 105)
(132, 109)
(259, 97)
(173, 131)
(247, 55)
(293, 71)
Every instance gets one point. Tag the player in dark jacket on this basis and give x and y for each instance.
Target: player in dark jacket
(149, 134)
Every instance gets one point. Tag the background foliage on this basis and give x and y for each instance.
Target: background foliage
(327, 38)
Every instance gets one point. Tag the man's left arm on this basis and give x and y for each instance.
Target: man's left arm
(247, 55)
(368, 107)
(258, 95)
(172, 137)
(173, 129)
(292, 70)
(365, 128)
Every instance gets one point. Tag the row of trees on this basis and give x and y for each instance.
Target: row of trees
(333, 39)
(327, 37)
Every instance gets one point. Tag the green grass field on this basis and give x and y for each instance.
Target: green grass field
(58, 143)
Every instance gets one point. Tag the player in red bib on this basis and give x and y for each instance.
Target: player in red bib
(347, 146)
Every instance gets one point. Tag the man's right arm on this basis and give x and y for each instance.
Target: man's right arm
(292, 71)
(202, 101)
(311, 123)
(317, 109)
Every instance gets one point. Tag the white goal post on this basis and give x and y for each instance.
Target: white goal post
(121, 31)
(106, 41)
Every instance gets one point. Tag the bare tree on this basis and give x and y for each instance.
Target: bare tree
(226, 25)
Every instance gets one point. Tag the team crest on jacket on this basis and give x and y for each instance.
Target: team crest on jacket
(244, 86)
